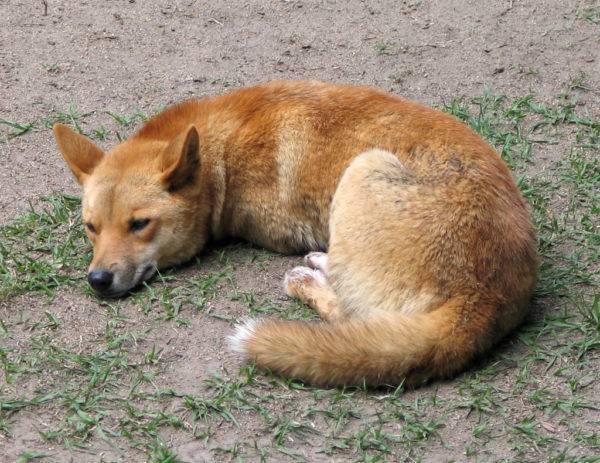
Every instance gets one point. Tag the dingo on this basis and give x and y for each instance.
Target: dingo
(431, 251)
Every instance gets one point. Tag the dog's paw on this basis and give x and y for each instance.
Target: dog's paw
(317, 261)
(298, 279)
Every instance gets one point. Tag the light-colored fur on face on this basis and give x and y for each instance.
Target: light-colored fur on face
(135, 182)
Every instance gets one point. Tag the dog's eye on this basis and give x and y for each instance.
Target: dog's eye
(138, 224)
(90, 227)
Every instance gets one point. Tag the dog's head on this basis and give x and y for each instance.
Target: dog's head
(144, 205)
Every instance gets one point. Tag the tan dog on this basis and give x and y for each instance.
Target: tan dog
(431, 252)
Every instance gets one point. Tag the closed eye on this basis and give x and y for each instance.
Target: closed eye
(136, 225)
(90, 227)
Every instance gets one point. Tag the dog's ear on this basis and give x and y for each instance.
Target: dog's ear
(181, 159)
(80, 153)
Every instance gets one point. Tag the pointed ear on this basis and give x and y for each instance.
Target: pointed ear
(181, 159)
(80, 153)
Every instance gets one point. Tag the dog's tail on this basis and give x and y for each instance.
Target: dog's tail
(386, 349)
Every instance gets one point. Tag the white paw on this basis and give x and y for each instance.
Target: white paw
(299, 277)
(317, 261)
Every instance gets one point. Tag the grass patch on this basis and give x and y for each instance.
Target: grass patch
(44, 248)
(121, 124)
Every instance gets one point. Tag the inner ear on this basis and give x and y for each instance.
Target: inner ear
(180, 160)
(81, 155)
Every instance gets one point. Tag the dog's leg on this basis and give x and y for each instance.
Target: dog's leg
(310, 286)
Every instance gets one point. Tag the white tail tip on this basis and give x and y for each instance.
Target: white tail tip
(238, 341)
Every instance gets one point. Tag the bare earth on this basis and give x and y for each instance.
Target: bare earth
(82, 60)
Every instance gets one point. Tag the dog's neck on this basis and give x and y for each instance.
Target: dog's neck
(215, 125)
(216, 175)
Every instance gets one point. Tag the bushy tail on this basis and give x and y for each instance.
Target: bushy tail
(386, 349)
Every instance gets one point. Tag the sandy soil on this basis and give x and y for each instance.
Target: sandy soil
(145, 54)
(123, 55)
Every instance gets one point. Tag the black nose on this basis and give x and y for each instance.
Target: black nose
(100, 280)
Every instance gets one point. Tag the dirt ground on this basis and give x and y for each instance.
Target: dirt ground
(83, 61)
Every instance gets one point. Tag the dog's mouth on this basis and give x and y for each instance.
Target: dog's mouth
(146, 272)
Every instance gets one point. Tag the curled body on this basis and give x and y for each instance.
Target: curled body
(422, 252)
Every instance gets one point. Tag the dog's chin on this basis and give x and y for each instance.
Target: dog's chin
(113, 294)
